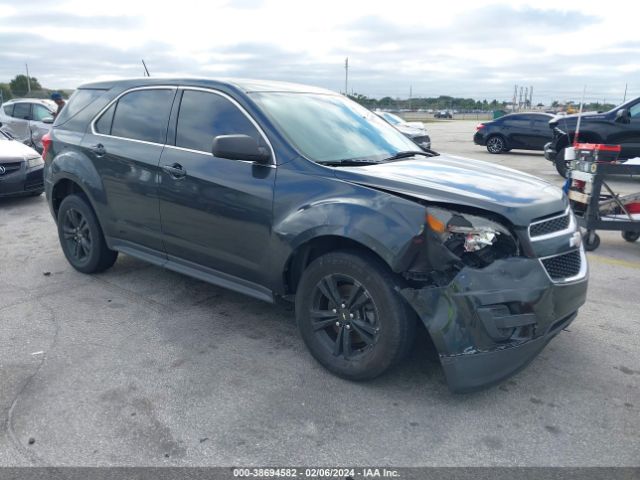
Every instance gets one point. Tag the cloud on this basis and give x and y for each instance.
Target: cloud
(69, 20)
(462, 49)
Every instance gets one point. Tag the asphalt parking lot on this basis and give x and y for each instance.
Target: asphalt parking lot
(142, 366)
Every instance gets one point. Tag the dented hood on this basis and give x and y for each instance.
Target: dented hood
(515, 195)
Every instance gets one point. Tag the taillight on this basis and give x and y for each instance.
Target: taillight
(46, 144)
(480, 126)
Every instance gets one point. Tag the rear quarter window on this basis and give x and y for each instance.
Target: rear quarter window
(80, 99)
(8, 109)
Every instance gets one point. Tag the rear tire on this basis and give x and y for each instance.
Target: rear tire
(496, 144)
(630, 236)
(81, 237)
(351, 318)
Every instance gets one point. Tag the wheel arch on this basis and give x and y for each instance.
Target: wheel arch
(308, 251)
(63, 187)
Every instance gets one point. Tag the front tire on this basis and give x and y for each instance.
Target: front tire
(81, 237)
(496, 144)
(350, 316)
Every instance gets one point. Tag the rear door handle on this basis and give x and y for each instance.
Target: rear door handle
(175, 170)
(98, 149)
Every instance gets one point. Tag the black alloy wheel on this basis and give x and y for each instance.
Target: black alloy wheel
(344, 317)
(77, 235)
(81, 236)
(351, 316)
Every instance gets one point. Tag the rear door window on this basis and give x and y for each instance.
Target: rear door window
(22, 111)
(204, 115)
(143, 115)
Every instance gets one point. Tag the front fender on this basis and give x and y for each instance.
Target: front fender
(307, 207)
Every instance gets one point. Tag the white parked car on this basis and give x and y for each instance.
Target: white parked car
(416, 131)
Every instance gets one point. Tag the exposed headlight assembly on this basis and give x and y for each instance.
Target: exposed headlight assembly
(34, 162)
(477, 241)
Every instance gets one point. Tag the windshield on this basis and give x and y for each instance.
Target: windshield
(391, 118)
(331, 129)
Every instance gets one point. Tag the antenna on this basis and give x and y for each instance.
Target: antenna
(146, 70)
(28, 79)
(625, 93)
(575, 137)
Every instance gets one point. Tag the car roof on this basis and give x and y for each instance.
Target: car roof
(41, 101)
(245, 85)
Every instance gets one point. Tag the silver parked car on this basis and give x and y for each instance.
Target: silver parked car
(20, 168)
(28, 119)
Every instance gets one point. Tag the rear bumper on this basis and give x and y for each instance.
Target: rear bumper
(488, 324)
(478, 139)
(22, 182)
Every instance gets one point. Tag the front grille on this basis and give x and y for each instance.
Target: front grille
(10, 168)
(545, 227)
(563, 266)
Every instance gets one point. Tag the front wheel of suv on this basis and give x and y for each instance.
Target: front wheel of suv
(81, 237)
(350, 316)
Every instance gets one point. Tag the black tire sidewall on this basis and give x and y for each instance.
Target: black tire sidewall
(561, 164)
(393, 317)
(93, 262)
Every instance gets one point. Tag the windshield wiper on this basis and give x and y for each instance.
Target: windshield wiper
(349, 161)
(409, 153)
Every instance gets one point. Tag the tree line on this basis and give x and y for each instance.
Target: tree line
(445, 102)
(19, 87)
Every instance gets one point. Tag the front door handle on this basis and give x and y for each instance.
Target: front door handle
(175, 170)
(98, 149)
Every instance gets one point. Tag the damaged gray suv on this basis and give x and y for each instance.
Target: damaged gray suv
(287, 191)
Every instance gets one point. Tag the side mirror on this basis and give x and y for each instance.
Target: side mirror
(240, 147)
(623, 116)
(47, 120)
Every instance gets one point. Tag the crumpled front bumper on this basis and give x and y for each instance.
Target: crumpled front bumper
(489, 323)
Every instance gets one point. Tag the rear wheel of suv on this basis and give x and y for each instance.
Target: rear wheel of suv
(350, 317)
(496, 144)
(81, 237)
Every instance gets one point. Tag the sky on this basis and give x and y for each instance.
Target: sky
(458, 47)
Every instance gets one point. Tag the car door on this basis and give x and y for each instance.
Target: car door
(541, 133)
(124, 143)
(516, 129)
(628, 134)
(215, 212)
(19, 121)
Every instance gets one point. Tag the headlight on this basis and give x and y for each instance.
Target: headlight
(34, 162)
(477, 241)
